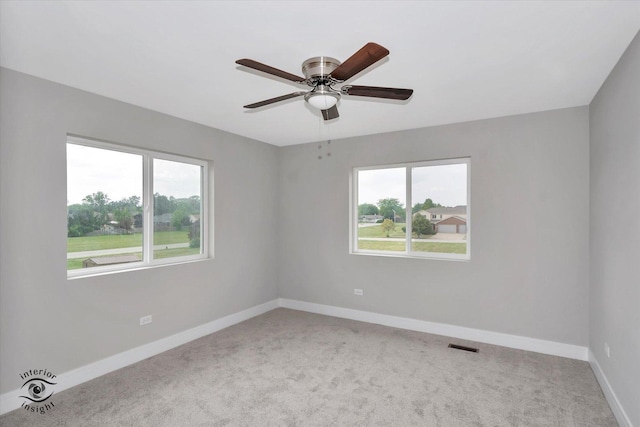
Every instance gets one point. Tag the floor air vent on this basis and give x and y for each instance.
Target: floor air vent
(462, 347)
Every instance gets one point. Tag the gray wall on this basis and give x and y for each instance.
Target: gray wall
(528, 273)
(615, 229)
(47, 321)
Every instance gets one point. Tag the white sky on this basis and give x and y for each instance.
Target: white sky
(179, 180)
(444, 184)
(374, 185)
(119, 175)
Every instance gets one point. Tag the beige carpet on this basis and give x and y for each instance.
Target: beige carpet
(289, 368)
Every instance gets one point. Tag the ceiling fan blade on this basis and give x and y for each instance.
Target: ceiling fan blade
(274, 100)
(377, 92)
(331, 113)
(270, 70)
(368, 55)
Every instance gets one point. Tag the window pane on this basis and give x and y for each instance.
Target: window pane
(381, 213)
(439, 197)
(104, 208)
(176, 209)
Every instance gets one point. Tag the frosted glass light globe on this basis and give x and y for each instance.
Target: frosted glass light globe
(322, 101)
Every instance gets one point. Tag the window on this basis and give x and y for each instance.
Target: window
(433, 195)
(129, 208)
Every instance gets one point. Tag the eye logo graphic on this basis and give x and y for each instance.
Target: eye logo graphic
(37, 390)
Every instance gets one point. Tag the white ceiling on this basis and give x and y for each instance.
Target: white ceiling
(464, 60)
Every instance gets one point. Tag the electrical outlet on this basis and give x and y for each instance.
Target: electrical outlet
(145, 320)
(606, 350)
(358, 292)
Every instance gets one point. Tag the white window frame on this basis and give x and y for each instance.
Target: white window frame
(147, 204)
(408, 253)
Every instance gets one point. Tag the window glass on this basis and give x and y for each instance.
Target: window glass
(104, 207)
(128, 207)
(433, 195)
(439, 194)
(381, 214)
(176, 209)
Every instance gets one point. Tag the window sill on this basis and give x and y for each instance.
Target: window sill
(434, 257)
(133, 268)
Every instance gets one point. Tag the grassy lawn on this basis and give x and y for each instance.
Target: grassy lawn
(76, 263)
(439, 247)
(378, 245)
(92, 243)
(168, 253)
(377, 231)
(168, 237)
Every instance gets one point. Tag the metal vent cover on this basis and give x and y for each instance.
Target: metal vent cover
(465, 348)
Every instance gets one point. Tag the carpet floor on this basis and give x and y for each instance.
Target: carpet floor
(290, 368)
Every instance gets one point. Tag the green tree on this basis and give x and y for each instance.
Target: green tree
(132, 202)
(97, 200)
(367, 209)
(125, 210)
(80, 220)
(193, 204)
(190, 206)
(124, 217)
(428, 204)
(99, 204)
(194, 234)
(178, 218)
(388, 226)
(421, 225)
(388, 206)
(163, 204)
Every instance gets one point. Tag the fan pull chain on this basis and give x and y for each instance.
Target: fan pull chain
(320, 136)
(328, 139)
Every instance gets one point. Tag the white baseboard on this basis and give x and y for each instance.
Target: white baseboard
(614, 403)
(10, 401)
(488, 337)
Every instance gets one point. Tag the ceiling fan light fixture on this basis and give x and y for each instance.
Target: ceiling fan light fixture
(322, 101)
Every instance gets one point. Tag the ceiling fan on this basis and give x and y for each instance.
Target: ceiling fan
(321, 73)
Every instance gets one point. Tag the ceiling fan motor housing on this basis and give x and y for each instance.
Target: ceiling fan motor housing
(318, 67)
(317, 71)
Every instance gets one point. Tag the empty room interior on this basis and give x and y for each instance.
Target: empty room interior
(320, 213)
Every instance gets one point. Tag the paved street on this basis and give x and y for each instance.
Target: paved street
(401, 239)
(104, 252)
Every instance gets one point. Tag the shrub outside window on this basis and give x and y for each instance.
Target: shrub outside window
(433, 195)
(129, 208)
